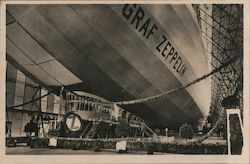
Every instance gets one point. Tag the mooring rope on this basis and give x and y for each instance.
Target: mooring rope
(28, 102)
(163, 94)
(142, 100)
(204, 137)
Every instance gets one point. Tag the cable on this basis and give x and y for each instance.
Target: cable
(31, 101)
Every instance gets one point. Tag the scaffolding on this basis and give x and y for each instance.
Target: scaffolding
(222, 31)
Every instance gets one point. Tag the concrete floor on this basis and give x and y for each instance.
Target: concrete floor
(21, 150)
(210, 140)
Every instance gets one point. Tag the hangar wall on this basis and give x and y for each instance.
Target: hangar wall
(21, 89)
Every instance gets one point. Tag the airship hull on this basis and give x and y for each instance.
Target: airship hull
(118, 52)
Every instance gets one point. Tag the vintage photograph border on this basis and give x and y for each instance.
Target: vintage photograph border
(243, 158)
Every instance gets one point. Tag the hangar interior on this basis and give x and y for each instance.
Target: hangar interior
(221, 28)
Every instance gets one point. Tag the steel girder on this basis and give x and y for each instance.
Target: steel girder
(226, 23)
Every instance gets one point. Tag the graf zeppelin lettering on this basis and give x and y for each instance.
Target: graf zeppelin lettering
(136, 16)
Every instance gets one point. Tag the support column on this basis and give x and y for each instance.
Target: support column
(61, 105)
(228, 136)
(229, 112)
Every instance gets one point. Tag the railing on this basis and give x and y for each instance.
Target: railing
(158, 139)
(105, 117)
(92, 110)
(135, 122)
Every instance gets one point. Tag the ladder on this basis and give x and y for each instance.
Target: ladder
(86, 129)
(146, 129)
(91, 133)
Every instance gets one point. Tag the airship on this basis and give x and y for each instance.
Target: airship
(119, 52)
